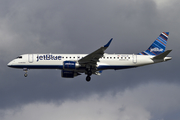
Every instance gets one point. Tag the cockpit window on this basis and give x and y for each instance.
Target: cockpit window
(19, 57)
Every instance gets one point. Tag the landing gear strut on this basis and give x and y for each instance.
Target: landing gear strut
(25, 70)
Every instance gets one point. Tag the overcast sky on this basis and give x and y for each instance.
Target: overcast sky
(79, 26)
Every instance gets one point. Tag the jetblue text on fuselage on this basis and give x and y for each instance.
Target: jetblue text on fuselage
(48, 57)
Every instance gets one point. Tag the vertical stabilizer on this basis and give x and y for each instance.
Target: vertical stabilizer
(158, 46)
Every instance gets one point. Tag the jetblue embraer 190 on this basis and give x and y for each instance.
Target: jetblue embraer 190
(73, 65)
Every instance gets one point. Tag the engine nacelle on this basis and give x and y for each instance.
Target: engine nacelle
(69, 74)
(70, 65)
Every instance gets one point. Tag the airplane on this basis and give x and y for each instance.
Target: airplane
(72, 65)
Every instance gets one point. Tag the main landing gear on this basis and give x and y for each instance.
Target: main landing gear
(25, 70)
(88, 78)
(89, 73)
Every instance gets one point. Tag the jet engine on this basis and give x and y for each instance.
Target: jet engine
(69, 74)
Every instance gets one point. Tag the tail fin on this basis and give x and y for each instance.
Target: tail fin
(158, 46)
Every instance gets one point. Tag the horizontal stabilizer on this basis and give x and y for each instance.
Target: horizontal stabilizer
(162, 55)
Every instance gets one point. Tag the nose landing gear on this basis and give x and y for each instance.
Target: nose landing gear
(25, 70)
(25, 74)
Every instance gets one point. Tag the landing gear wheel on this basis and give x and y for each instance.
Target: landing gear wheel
(25, 70)
(25, 75)
(88, 78)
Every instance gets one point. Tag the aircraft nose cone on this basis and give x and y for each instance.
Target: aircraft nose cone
(9, 64)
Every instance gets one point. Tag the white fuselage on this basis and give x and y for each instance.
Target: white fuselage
(108, 61)
(72, 65)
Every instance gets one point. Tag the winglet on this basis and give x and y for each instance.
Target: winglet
(107, 45)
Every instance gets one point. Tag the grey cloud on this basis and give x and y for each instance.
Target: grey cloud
(142, 103)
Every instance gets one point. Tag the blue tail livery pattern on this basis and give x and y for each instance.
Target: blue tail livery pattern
(158, 46)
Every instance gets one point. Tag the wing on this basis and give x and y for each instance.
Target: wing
(93, 58)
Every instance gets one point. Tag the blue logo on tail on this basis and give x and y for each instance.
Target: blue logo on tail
(158, 46)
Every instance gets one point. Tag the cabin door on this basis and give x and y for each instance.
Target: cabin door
(30, 58)
(134, 58)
